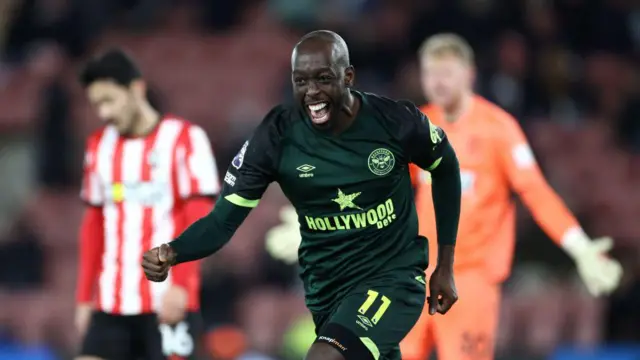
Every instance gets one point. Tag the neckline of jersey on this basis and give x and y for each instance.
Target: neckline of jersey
(151, 131)
(462, 119)
(352, 127)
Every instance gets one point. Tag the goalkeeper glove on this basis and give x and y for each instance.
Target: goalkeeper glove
(283, 241)
(600, 273)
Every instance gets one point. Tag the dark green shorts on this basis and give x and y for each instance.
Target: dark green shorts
(377, 313)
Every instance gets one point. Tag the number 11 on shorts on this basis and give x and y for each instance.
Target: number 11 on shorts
(371, 298)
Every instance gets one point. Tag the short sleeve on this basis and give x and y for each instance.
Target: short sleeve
(254, 167)
(197, 172)
(423, 141)
(91, 188)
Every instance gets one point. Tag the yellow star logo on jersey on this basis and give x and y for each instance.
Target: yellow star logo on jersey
(346, 201)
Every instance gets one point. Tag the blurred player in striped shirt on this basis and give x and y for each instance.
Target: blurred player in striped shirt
(147, 176)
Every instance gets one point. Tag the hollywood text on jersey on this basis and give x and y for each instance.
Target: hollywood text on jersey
(379, 216)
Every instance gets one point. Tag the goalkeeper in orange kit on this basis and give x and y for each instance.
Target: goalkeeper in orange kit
(495, 160)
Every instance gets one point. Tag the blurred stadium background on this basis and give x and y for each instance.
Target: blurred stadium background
(567, 69)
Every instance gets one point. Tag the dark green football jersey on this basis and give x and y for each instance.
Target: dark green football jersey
(352, 191)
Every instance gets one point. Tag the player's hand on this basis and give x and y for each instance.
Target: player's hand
(174, 305)
(82, 318)
(157, 262)
(600, 273)
(442, 290)
(283, 241)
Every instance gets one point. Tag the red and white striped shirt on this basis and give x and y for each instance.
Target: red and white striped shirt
(141, 186)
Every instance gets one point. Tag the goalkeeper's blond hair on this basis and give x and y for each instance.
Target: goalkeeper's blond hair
(447, 44)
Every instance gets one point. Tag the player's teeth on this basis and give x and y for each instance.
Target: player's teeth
(317, 107)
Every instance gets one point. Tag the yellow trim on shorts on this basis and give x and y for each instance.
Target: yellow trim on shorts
(373, 348)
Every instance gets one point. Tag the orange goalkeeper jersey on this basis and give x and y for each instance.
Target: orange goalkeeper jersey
(495, 161)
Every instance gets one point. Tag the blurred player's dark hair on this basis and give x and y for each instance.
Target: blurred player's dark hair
(114, 65)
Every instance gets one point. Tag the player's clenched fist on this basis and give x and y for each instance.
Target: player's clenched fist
(442, 287)
(442, 291)
(157, 262)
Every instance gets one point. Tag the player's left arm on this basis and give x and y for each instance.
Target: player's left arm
(600, 274)
(198, 185)
(428, 147)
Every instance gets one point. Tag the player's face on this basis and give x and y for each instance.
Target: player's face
(114, 103)
(319, 85)
(445, 78)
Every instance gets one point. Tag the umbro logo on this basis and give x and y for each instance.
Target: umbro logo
(364, 322)
(305, 170)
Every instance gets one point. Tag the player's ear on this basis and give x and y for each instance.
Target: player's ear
(139, 89)
(349, 76)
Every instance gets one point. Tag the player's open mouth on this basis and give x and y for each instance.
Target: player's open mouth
(319, 112)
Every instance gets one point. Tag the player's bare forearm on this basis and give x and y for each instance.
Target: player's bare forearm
(446, 198)
(445, 256)
(210, 233)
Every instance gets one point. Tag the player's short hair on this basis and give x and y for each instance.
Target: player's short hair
(114, 65)
(447, 44)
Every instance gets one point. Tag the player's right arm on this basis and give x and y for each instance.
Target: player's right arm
(90, 237)
(247, 178)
